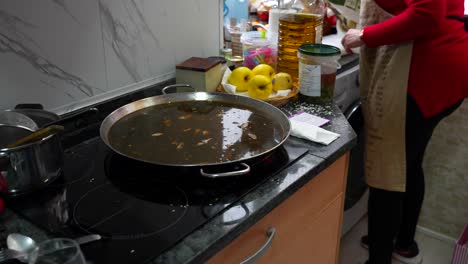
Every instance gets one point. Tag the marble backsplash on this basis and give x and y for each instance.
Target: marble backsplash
(445, 208)
(68, 54)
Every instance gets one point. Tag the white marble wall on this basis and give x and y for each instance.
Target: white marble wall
(67, 54)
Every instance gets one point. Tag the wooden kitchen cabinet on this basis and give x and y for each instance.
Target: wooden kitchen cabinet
(307, 224)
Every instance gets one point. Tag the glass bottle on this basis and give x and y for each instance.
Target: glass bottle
(305, 26)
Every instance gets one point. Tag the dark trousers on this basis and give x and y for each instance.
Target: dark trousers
(393, 216)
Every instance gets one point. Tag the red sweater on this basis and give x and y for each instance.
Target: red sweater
(439, 64)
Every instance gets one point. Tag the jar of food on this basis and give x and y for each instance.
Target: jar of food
(317, 71)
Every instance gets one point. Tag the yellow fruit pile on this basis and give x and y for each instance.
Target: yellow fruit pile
(259, 82)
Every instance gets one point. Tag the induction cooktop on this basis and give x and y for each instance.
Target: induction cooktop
(139, 209)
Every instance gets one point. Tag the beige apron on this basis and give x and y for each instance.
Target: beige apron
(384, 79)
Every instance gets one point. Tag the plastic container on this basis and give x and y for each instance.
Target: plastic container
(258, 48)
(238, 9)
(317, 71)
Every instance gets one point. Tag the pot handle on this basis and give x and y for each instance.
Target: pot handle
(29, 106)
(68, 117)
(227, 174)
(166, 89)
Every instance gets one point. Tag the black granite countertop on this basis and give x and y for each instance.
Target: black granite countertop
(216, 234)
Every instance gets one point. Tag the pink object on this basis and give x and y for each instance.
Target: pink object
(460, 253)
(258, 48)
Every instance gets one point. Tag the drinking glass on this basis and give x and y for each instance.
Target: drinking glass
(57, 251)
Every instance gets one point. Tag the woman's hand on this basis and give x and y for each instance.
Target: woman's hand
(352, 39)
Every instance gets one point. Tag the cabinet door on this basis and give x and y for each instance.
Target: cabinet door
(307, 225)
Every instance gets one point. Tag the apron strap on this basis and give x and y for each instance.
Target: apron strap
(461, 19)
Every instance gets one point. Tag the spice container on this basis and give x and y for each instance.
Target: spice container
(317, 72)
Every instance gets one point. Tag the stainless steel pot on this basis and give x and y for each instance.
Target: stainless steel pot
(31, 166)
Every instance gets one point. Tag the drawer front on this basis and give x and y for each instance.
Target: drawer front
(307, 224)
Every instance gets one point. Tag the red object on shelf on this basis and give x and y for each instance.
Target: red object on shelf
(263, 15)
(330, 20)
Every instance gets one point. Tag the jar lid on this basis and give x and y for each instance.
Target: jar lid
(256, 38)
(319, 50)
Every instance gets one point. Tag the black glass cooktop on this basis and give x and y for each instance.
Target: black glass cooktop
(139, 209)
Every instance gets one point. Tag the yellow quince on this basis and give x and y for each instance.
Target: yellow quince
(260, 87)
(264, 69)
(282, 81)
(240, 78)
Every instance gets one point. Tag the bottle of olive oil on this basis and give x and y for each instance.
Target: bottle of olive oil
(297, 29)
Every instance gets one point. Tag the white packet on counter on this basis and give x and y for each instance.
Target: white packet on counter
(313, 133)
(309, 119)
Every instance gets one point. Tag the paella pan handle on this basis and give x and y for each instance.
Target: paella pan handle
(243, 171)
(167, 89)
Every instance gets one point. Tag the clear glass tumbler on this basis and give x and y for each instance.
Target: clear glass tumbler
(57, 251)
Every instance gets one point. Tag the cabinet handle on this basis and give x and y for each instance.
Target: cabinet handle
(270, 234)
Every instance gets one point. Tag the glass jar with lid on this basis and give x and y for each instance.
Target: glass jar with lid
(317, 72)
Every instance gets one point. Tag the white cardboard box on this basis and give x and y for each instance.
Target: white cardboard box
(203, 74)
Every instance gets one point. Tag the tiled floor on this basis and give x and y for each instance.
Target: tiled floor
(434, 251)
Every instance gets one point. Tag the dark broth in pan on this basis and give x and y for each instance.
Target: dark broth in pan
(195, 132)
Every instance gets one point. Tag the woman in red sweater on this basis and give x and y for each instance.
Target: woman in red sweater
(414, 72)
